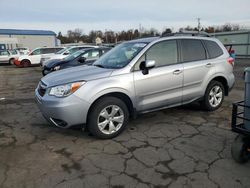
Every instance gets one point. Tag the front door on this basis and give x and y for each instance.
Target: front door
(35, 56)
(162, 86)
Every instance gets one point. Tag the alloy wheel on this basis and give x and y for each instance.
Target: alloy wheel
(110, 119)
(215, 96)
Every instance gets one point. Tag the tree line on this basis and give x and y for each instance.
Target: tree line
(109, 36)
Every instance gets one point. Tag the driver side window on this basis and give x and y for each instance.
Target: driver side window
(163, 53)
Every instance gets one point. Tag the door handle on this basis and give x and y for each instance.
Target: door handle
(209, 65)
(176, 72)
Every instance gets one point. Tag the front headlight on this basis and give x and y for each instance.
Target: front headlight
(65, 90)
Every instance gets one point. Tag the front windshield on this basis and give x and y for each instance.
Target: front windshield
(73, 50)
(120, 56)
(62, 51)
(73, 56)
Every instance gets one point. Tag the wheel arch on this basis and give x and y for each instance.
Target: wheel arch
(12, 58)
(118, 94)
(26, 60)
(223, 80)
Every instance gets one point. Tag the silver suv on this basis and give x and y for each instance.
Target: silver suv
(136, 77)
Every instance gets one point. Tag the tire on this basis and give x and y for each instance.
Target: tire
(44, 72)
(102, 112)
(11, 61)
(25, 63)
(214, 96)
(239, 150)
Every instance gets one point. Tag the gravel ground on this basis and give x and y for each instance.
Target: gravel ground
(179, 147)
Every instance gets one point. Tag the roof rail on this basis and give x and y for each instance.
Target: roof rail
(187, 33)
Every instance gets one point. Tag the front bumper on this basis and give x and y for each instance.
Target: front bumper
(63, 112)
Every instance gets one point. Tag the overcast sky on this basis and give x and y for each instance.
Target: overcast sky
(62, 15)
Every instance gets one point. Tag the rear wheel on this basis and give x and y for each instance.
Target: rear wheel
(214, 96)
(108, 117)
(11, 61)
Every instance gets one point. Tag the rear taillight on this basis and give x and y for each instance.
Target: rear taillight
(230, 60)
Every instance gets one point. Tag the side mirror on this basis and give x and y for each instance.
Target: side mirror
(82, 59)
(66, 53)
(146, 65)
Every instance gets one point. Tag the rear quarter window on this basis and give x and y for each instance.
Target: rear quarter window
(192, 50)
(213, 48)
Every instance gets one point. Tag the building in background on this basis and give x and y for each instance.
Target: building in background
(240, 41)
(12, 38)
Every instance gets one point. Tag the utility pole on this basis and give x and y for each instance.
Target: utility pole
(199, 24)
(106, 33)
(140, 30)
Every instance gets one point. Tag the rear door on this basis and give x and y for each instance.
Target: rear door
(162, 86)
(197, 68)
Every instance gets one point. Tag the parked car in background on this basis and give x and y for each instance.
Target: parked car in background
(34, 57)
(81, 57)
(8, 56)
(64, 53)
(15, 54)
(136, 77)
(23, 50)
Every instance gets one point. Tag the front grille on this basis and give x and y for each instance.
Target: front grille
(42, 89)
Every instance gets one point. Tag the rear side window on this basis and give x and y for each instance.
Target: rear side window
(192, 50)
(213, 48)
(2, 53)
(48, 50)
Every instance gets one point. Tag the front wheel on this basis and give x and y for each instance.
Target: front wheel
(214, 96)
(108, 117)
(25, 63)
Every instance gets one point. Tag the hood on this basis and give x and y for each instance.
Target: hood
(74, 74)
(53, 62)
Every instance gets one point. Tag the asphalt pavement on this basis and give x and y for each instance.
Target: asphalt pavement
(178, 147)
